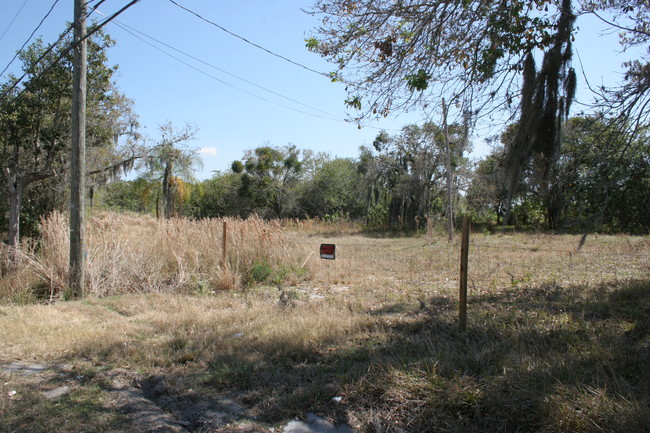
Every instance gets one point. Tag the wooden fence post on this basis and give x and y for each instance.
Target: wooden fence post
(224, 248)
(464, 255)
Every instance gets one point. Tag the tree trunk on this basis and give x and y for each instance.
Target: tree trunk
(15, 188)
(168, 201)
(553, 204)
(15, 192)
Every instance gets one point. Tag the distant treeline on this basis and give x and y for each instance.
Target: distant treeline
(597, 184)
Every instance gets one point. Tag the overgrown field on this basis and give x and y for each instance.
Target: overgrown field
(558, 336)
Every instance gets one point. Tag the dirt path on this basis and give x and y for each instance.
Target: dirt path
(151, 403)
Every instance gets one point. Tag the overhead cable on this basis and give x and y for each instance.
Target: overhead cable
(13, 19)
(132, 30)
(229, 84)
(30, 36)
(61, 55)
(247, 41)
(37, 61)
(99, 3)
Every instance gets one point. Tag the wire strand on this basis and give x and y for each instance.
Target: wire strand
(30, 36)
(133, 30)
(329, 116)
(248, 41)
(14, 19)
(61, 55)
(229, 84)
(36, 62)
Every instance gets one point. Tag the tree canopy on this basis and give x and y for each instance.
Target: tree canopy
(171, 160)
(36, 122)
(629, 102)
(268, 176)
(392, 55)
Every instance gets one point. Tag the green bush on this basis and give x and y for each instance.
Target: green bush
(260, 271)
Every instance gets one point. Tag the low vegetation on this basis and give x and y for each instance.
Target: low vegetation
(129, 253)
(557, 339)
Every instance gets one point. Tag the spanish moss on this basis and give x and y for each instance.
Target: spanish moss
(547, 95)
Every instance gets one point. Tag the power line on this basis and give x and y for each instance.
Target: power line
(249, 42)
(132, 32)
(61, 55)
(328, 116)
(220, 27)
(99, 3)
(14, 19)
(229, 84)
(37, 61)
(30, 36)
(127, 28)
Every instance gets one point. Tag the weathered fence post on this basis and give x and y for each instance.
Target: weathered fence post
(464, 255)
(224, 248)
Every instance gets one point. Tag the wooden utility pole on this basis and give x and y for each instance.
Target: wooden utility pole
(78, 154)
(450, 209)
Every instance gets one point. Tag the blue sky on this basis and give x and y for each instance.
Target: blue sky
(231, 107)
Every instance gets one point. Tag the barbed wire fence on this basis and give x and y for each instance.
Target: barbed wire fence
(496, 262)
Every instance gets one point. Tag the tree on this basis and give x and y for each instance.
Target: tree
(601, 179)
(604, 178)
(35, 119)
(411, 168)
(172, 161)
(130, 195)
(630, 101)
(487, 194)
(219, 196)
(392, 55)
(269, 177)
(335, 190)
(546, 99)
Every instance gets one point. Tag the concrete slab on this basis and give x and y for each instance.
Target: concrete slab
(315, 424)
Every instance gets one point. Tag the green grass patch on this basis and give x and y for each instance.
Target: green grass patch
(82, 409)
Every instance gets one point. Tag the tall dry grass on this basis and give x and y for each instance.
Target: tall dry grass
(557, 340)
(128, 253)
(497, 263)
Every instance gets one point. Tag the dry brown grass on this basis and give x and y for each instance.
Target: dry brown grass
(429, 264)
(557, 340)
(139, 254)
(161, 330)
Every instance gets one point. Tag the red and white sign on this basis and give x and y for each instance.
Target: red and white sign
(328, 251)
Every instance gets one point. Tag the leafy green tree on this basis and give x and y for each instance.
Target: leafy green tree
(219, 196)
(546, 99)
(628, 102)
(131, 195)
(487, 194)
(600, 176)
(605, 181)
(393, 55)
(35, 123)
(335, 190)
(270, 176)
(171, 161)
(408, 171)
